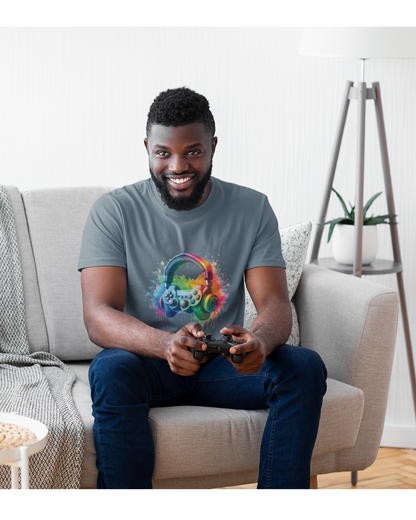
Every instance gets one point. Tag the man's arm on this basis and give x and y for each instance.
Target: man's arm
(268, 290)
(104, 295)
(272, 326)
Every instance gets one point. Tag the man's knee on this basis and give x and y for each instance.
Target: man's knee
(314, 369)
(303, 365)
(109, 364)
(113, 375)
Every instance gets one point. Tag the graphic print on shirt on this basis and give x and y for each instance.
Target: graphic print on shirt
(183, 299)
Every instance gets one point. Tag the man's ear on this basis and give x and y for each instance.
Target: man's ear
(214, 145)
(146, 144)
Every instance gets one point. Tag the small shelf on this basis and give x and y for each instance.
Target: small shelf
(378, 266)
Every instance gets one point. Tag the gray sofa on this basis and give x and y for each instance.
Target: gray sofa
(350, 322)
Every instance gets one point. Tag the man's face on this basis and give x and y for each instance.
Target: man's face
(180, 163)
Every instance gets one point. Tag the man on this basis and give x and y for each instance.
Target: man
(163, 263)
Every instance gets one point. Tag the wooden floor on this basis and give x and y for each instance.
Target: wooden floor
(393, 469)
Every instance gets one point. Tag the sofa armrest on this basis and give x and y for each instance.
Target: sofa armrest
(352, 324)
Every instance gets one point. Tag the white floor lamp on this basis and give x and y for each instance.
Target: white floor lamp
(363, 43)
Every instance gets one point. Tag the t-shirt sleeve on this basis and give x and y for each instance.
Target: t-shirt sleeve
(103, 236)
(267, 247)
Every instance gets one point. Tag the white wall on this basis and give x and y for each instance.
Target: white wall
(74, 101)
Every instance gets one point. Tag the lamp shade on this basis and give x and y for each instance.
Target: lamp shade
(359, 42)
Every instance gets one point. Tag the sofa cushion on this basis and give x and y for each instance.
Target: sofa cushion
(56, 219)
(295, 240)
(195, 441)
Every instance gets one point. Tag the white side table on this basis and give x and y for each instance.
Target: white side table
(19, 457)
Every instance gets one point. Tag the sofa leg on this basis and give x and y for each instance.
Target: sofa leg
(314, 482)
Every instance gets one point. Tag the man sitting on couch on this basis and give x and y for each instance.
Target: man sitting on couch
(163, 263)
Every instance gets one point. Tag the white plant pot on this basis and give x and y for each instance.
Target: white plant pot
(343, 244)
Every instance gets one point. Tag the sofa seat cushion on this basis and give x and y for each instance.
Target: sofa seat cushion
(341, 414)
(194, 441)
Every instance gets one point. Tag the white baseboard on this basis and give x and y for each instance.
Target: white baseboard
(399, 437)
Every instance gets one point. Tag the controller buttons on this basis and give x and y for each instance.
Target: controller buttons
(194, 292)
(184, 304)
(197, 297)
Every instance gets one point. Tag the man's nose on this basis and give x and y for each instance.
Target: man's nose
(178, 164)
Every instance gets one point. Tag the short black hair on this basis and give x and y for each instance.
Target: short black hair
(178, 107)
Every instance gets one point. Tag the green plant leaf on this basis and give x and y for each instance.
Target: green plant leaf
(373, 221)
(344, 207)
(369, 202)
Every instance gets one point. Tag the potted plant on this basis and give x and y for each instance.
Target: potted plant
(343, 230)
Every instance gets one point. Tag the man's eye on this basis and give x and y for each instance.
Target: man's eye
(194, 152)
(161, 153)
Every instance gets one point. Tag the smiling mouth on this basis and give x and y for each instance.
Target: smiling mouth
(181, 183)
(180, 180)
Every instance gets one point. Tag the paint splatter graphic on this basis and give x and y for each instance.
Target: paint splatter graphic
(157, 289)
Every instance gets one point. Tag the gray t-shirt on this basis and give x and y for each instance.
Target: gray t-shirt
(183, 266)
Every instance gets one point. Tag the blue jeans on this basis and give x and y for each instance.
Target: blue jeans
(124, 386)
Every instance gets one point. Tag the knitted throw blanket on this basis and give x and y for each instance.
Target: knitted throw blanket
(38, 385)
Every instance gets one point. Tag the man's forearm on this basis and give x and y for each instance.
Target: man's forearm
(273, 325)
(110, 328)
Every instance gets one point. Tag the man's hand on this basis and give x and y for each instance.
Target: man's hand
(178, 355)
(253, 346)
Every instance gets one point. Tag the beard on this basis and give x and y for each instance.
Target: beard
(182, 202)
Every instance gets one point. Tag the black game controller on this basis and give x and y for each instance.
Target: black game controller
(219, 346)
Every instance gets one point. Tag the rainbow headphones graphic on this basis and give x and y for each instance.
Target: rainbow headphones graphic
(199, 300)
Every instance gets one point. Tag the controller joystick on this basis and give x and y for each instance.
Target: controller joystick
(220, 346)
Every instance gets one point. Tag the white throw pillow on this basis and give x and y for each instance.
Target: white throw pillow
(295, 240)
